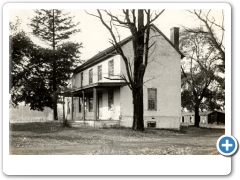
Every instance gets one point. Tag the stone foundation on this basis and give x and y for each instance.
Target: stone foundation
(161, 122)
(96, 124)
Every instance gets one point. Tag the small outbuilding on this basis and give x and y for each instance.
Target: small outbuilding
(216, 117)
(187, 117)
(206, 117)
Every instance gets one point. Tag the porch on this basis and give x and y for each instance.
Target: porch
(95, 105)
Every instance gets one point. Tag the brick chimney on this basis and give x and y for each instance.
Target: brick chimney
(174, 36)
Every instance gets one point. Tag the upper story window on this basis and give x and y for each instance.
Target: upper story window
(110, 68)
(152, 99)
(99, 72)
(90, 76)
(81, 79)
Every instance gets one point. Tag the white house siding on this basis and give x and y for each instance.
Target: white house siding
(164, 71)
(105, 113)
(77, 77)
(76, 83)
(113, 113)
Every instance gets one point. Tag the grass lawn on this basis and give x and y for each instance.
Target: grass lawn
(50, 138)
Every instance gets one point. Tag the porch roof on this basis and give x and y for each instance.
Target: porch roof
(99, 85)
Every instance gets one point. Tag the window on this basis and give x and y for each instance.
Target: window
(152, 99)
(110, 68)
(80, 104)
(110, 99)
(99, 72)
(90, 105)
(90, 76)
(81, 79)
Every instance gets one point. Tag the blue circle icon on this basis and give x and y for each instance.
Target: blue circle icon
(227, 145)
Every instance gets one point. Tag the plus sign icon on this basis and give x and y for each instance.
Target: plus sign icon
(227, 145)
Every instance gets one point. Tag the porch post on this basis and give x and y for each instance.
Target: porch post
(95, 103)
(83, 105)
(72, 108)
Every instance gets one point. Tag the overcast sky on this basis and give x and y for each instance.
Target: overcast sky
(95, 37)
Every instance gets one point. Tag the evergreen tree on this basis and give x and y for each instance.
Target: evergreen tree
(54, 27)
(31, 70)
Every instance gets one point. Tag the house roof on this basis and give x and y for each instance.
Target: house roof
(170, 42)
(110, 51)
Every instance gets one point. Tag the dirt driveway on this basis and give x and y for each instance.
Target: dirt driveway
(43, 139)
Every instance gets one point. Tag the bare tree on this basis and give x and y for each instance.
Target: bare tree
(140, 31)
(214, 27)
(199, 71)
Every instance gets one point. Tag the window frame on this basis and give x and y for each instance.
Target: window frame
(81, 79)
(90, 76)
(155, 99)
(110, 71)
(99, 72)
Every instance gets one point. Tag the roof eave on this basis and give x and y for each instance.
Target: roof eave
(105, 54)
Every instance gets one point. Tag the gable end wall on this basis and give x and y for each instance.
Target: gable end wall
(164, 73)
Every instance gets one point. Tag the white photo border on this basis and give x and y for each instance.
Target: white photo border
(110, 164)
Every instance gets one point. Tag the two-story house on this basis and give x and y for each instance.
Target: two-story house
(101, 97)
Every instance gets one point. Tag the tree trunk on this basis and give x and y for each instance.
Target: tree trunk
(55, 96)
(138, 121)
(197, 117)
(63, 108)
(139, 69)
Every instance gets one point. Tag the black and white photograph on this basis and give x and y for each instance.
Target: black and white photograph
(117, 81)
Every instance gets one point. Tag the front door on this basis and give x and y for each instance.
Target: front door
(99, 103)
